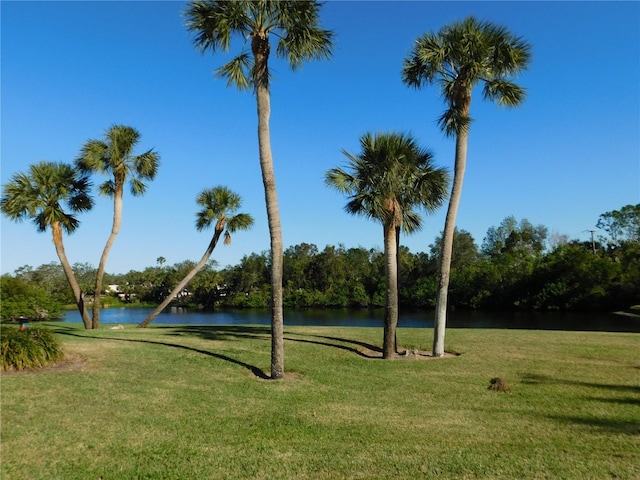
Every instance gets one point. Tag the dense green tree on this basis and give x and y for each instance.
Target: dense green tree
(219, 207)
(114, 157)
(386, 181)
(207, 287)
(296, 265)
(51, 277)
(512, 235)
(20, 299)
(248, 281)
(296, 26)
(573, 278)
(51, 194)
(465, 251)
(459, 57)
(621, 225)
(464, 260)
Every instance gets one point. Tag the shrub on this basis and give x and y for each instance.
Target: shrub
(30, 348)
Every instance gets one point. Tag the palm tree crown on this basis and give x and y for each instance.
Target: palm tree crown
(219, 205)
(460, 56)
(42, 194)
(114, 156)
(391, 176)
(294, 23)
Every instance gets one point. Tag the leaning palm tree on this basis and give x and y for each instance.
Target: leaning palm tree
(296, 26)
(386, 181)
(219, 205)
(114, 157)
(40, 195)
(458, 58)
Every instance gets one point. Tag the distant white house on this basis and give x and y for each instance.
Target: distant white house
(116, 290)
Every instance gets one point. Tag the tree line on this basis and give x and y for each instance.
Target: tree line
(518, 266)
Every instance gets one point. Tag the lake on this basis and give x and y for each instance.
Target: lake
(602, 322)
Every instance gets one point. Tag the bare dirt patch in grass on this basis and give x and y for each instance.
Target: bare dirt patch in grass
(406, 354)
(71, 363)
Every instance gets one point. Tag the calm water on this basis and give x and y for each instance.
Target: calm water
(603, 322)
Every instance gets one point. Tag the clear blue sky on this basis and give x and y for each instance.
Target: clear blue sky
(72, 69)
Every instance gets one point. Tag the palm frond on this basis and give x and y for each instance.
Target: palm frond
(238, 72)
(504, 93)
(94, 157)
(137, 187)
(107, 189)
(411, 222)
(214, 23)
(241, 221)
(340, 180)
(146, 165)
(452, 122)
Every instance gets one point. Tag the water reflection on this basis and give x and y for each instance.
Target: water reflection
(604, 322)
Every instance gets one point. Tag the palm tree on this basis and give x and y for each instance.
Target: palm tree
(391, 176)
(458, 58)
(114, 157)
(219, 205)
(41, 196)
(296, 26)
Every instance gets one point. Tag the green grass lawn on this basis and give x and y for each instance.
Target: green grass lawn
(188, 402)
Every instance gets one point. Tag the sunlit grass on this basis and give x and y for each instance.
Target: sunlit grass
(189, 402)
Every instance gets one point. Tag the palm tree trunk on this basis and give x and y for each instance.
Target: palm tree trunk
(71, 278)
(260, 48)
(115, 228)
(395, 341)
(447, 243)
(391, 311)
(178, 288)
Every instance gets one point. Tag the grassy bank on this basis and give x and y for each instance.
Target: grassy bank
(188, 402)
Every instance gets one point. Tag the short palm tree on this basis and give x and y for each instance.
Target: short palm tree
(114, 157)
(42, 195)
(386, 181)
(459, 57)
(296, 26)
(219, 205)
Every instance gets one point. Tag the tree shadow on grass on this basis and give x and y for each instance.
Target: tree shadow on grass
(618, 401)
(533, 379)
(227, 332)
(627, 427)
(257, 372)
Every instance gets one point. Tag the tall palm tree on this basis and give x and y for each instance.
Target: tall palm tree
(41, 196)
(386, 181)
(219, 205)
(295, 24)
(114, 157)
(459, 57)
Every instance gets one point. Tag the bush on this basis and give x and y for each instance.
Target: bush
(30, 348)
